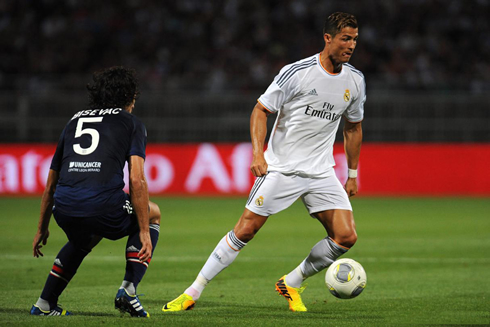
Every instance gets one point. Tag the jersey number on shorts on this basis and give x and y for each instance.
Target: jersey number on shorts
(93, 132)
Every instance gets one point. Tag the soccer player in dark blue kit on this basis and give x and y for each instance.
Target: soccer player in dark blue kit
(84, 191)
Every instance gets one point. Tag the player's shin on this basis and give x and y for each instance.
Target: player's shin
(64, 268)
(222, 256)
(136, 269)
(322, 255)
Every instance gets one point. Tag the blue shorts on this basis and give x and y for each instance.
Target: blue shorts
(113, 225)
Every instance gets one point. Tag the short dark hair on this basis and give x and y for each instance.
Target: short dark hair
(337, 21)
(114, 87)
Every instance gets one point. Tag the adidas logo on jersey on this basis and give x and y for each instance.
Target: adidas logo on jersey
(58, 262)
(312, 92)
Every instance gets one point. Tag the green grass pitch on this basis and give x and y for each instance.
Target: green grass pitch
(427, 262)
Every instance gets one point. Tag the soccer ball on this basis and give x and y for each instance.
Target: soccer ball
(345, 278)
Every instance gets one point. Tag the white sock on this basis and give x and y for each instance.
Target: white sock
(295, 278)
(129, 286)
(222, 256)
(43, 304)
(197, 287)
(322, 255)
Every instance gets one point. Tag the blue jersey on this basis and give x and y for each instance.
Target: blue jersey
(90, 158)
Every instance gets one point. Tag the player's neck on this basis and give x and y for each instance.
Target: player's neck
(329, 64)
(130, 107)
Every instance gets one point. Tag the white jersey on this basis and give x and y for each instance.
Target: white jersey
(310, 102)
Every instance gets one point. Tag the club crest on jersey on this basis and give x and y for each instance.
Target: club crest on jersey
(260, 201)
(347, 95)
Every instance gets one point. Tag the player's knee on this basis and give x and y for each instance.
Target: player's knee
(248, 225)
(245, 233)
(347, 240)
(154, 213)
(93, 242)
(155, 220)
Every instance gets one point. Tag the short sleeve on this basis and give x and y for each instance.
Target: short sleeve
(355, 111)
(58, 155)
(284, 87)
(138, 139)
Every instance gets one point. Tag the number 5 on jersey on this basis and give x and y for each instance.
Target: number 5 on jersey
(92, 132)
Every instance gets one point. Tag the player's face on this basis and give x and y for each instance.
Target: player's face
(343, 44)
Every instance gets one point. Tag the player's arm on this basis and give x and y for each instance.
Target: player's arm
(138, 191)
(47, 202)
(352, 148)
(258, 132)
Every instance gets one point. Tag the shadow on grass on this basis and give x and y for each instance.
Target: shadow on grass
(272, 311)
(95, 314)
(17, 311)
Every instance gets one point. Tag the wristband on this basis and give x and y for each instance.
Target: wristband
(352, 173)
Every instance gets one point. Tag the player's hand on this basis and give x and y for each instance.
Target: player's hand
(351, 187)
(145, 252)
(40, 239)
(259, 166)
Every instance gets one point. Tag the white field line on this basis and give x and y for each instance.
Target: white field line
(161, 258)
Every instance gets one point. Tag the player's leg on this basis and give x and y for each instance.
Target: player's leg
(341, 232)
(126, 299)
(269, 195)
(136, 269)
(66, 264)
(227, 250)
(222, 256)
(341, 236)
(326, 201)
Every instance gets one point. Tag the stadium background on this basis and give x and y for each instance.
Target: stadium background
(202, 65)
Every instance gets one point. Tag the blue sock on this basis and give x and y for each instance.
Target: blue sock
(64, 268)
(135, 269)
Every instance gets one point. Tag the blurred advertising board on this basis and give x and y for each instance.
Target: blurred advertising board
(222, 169)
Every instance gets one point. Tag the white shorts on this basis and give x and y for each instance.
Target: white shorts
(275, 192)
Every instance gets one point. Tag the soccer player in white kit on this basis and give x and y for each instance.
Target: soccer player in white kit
(309, 96)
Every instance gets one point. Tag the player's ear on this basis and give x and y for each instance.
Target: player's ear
(327, 37)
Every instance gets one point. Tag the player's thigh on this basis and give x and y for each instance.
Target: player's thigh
(326, 194)
(113, 225)
(116, 224)
(123, 222)
(275, 192)
(78, 230)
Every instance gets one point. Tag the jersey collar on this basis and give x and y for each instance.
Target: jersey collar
(324, 70)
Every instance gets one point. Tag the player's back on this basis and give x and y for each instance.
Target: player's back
(90, 158)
